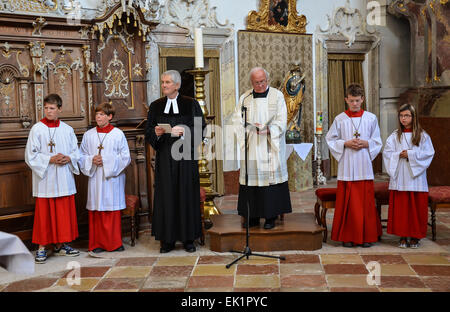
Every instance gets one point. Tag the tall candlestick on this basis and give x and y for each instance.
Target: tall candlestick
(319, 123)
(198, 43)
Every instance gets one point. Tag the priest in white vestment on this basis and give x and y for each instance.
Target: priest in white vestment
(407, 155)
(52, 154)
(266, 191)
(104, 157)
(354, 141)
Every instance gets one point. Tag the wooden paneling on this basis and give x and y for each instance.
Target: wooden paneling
(121, 77)
(438, 128)
(63, 59)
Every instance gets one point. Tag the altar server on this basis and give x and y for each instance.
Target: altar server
(104, 157)
(52, 154)
(407, 155)
(354, 141)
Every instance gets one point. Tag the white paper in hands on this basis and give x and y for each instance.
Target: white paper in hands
(167, 128)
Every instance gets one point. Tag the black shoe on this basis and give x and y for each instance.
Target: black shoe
(98, 250)
(269, 224)
(121, 248)
(348, 244)
(366, 245)
(189, 246)
(167, 247)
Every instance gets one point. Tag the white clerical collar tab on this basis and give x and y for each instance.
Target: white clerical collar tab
(173, 103)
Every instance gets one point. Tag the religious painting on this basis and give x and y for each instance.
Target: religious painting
(277, 16)
(278, 13)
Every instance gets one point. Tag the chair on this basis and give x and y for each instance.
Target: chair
(326, 198)
(381, 196)
(132, 202)
(438, 197)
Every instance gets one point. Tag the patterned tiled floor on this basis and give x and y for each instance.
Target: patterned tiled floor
(332, 268)
(327, 272)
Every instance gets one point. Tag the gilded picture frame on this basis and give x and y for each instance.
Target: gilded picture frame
(277, 16)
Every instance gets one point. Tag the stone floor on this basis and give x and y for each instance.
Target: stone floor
(332, 268)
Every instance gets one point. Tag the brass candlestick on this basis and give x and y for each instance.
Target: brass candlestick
(205, 175)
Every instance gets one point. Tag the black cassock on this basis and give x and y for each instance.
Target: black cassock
(176, 208)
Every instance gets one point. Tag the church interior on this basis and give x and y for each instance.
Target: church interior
(95, 51)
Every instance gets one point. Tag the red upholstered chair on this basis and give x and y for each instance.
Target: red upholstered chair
(326, 198)
(438, 197)
(202, 214)
(381, 196)
(132, 202)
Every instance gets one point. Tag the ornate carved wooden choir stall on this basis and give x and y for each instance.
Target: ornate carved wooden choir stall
(44, 50)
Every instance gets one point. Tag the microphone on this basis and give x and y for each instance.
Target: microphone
(243, 107)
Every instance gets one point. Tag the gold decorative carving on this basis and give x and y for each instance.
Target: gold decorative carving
(277, 16)
(37, 26)
(33, 6)
(116, 81)
(37, 50)
(6, 51)
(137, 70)
(109, 24)
(7, 83)
(22, 68)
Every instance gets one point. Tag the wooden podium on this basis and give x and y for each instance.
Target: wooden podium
(298, 231)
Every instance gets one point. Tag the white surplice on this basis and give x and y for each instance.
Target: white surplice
(106, 187)
(408, 175)
(51, 180)
(266, 153)
(354, 165)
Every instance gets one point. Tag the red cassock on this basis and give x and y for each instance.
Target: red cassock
(105, 230)
(55, 220)
(355, 217)
(408, 214)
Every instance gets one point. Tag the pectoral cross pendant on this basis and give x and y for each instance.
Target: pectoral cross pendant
(357, 134)
(51, 144)
(100, 147)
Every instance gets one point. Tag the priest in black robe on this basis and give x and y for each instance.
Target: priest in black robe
(176, 208)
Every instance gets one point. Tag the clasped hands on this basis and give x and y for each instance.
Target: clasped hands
(264, 131)
(176, 131)
(404, 154)
(97, 160)
(356, 144)
(59, 159)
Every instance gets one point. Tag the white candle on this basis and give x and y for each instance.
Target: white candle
(198, 44)
(124, 6)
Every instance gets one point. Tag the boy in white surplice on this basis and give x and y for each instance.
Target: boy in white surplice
(104, 157)
(52, 155)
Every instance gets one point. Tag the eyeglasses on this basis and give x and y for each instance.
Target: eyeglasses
(405, 116)
(259, 82)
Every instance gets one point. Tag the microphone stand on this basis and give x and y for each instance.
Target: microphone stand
(247, 251)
